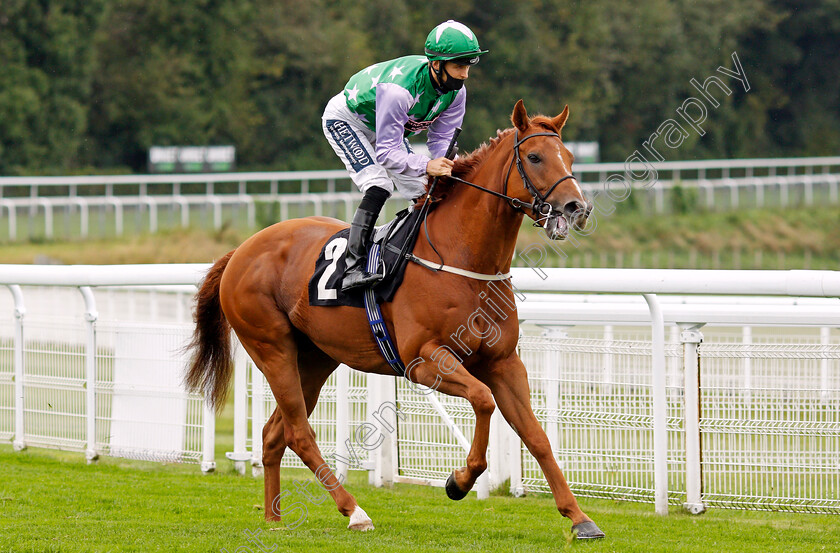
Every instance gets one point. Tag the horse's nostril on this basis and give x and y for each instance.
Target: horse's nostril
(574, 208)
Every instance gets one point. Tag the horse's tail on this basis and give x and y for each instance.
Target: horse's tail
(211, 363)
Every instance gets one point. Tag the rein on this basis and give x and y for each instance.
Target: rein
(539, 207)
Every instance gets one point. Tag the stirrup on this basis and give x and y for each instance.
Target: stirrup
(359, 279)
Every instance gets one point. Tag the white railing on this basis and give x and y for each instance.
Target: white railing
(304, 182)
(207, 184)
(90, 367)
(80, 206)
(649, 283)
(94, 216)
(621, 398)
(625, 386)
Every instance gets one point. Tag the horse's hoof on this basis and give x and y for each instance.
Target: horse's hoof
(587, 531)
(359, 521)
(452, 489)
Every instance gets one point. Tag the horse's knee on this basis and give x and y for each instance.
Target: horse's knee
(539, 446)
(482, 402)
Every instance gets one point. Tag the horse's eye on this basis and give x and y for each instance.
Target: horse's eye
(534, 158)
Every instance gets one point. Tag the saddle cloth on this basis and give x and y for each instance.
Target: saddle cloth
(325, 284)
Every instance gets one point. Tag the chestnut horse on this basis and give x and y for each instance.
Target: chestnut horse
(261, 291)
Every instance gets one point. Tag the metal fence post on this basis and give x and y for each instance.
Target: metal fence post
(240, 454)
(257, 420)
(515, 449)
(515, 455)
(808, 182)
(48, 217)
(342, 422)
(660, 412)
(825, 339)
(91, 315)
(551, 386)
(381, 392)
(660, 199)
(19, 441)
(759, 193)
(208, 440)
(10, 206)
(746, 339)
(609, 361)
(374, 400)
(498, 451)
(691, 338)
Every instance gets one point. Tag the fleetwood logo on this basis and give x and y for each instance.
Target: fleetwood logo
(417, 126)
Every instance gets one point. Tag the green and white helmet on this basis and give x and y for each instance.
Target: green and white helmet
(453, 41)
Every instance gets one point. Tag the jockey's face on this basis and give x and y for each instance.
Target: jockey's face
(456, 70)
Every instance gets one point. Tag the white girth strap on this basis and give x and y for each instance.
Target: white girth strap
(456, 270)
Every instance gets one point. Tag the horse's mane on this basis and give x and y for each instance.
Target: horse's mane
(465, 165)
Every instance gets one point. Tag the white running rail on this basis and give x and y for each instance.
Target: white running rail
(82, 206)
(616, 381)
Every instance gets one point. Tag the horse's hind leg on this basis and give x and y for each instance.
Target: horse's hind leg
(274, 446)
(273, 349)
(315, 368)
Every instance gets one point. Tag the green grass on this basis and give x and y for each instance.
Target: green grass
(53, 502)
(795, 238)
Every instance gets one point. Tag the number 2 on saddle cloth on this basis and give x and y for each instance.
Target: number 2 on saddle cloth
(387, 256)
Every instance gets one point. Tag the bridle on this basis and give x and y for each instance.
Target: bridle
(540, 208)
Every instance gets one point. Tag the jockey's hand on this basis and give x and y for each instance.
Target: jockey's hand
(440, 167)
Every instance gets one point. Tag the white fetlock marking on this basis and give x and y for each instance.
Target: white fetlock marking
(360, 521)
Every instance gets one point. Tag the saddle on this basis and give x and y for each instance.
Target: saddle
(389, 240)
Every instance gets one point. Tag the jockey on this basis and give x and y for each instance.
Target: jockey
(381, 106)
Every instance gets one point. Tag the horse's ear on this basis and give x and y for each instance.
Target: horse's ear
(560, 120)
(520, 116)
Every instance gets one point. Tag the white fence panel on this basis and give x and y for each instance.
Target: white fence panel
(54, 383)
(106, 380)
(148, 416)
(428, 449)
(601, 421)
(334, 422)
(768, 386)
(7, 379)
(772, 441)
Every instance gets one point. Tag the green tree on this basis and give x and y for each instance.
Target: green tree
(46, 67)
(89, 83)
(173, 73)
(796, 104)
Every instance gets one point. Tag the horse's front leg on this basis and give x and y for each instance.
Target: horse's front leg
(451, 378)
(508, 380)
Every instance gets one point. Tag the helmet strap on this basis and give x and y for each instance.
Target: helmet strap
(450, 84)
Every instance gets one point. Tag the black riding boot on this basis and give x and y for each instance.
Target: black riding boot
(355, 276)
